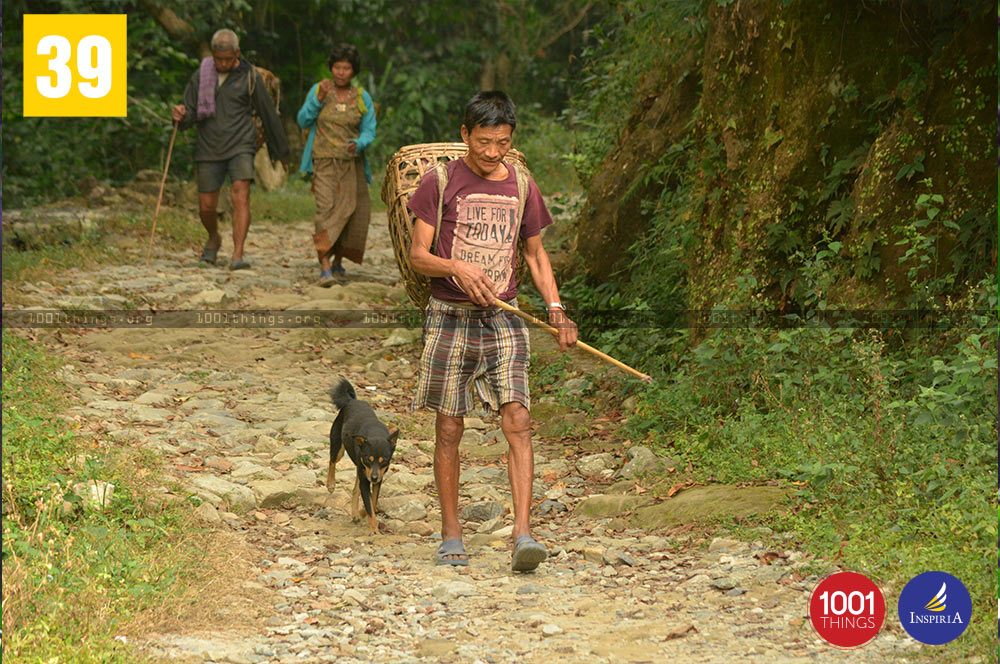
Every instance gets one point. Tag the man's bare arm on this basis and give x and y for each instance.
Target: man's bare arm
(469, 278)
(545, 281)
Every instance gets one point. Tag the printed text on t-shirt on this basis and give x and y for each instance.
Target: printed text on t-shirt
(484, 235)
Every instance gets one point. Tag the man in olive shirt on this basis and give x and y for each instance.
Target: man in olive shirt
(219, 98)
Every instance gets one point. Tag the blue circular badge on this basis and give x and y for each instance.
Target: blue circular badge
(935, 608)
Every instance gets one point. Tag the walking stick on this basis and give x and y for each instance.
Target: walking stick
(159, 198)
(590, 349)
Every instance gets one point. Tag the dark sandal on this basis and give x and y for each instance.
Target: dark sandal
(240, 264)
(452, 547)
(209, 255)
(527, 554)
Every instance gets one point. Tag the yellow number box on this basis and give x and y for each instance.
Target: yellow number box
(75, 65)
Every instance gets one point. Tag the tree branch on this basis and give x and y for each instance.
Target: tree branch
(177, 28)
(567, 27)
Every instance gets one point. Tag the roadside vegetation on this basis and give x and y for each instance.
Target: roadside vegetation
(888, 434)
(76, 570)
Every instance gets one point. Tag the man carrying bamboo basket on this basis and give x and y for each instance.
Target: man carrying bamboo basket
(220, 99)
(470, 343)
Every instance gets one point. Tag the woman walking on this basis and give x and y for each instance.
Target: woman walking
(341, 122)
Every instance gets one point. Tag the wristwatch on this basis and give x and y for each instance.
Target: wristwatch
(557, 305)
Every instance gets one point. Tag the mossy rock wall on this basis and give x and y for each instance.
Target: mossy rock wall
(810, 126)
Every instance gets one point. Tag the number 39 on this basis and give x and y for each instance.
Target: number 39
(85, 51)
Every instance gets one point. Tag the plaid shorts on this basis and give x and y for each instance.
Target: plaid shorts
(464, 348)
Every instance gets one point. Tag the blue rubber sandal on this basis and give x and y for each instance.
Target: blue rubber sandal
(452, 547)
(339, 270)
(527, 554)
(326, 278)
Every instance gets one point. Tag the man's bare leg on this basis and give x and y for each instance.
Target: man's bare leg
(241, 216)
(515, 421)
(208, 204)
(448, 433)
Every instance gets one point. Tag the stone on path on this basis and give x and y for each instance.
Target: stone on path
(206, 512)
(560, 425)
(402, 337)
(421, 528)
(550, 629)
(318, 414)
(309, 430)
(216, 421)
(153, 399)
(302, 477)
(642, 461)
(219, 463)
(601, 506)
(547, 506)
(543, 411)
(247, 470)
(148, 414)
(722, 544)
(594, 464)
(312, 496)
(451, 590)
(404, 508)
(724, 583)
(483, 511)
(617, 558)
(490, 526)
(209, 296)
(235, 495)
(708, 502)
(273, 493)
(405, 480)
(268, 444)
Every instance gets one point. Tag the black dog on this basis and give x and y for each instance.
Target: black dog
(368, 443)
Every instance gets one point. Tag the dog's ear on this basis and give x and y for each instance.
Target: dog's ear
(392, 438)
(360, 440)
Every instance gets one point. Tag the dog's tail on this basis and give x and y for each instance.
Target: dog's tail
(342, 393)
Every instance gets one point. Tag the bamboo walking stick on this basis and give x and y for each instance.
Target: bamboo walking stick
(159, 199)
(590, 349)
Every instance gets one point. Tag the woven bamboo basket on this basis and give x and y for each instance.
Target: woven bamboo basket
(402, 177)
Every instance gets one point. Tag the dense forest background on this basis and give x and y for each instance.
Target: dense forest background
(787, 156)
(421, 61)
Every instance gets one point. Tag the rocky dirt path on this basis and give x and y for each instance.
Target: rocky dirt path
(240, 418)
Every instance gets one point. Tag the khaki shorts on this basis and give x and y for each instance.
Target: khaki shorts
(212, 174)
(465, 349)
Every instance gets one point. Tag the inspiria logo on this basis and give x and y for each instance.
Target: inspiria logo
(931, 617)
(937, 603)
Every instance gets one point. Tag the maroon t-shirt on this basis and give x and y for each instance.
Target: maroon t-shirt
(477, 225)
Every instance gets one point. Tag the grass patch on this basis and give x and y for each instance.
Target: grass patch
(76, 575)
(291, 204)
(105, 244)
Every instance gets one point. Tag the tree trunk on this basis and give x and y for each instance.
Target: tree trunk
(178, 29)
(487, 78)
